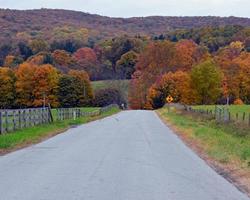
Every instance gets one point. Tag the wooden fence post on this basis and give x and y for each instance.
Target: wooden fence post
(243, 117)
(14, 120)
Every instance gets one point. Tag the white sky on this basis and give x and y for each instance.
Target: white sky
(129, 8)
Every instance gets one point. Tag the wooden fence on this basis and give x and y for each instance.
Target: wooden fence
(223, 115)
(11, 120)
(74, 113)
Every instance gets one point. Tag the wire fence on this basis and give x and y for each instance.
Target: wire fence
(223, 115)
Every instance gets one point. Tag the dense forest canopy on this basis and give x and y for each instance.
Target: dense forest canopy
(161, 55)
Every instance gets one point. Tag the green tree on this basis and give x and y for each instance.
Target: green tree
(74, 90)
(126, 65)
(38, 45)
(67, 91)
(83, 87)
(206, 81)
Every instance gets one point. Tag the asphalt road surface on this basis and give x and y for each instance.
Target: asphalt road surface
(128, 156)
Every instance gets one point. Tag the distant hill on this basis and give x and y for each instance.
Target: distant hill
(14, 21)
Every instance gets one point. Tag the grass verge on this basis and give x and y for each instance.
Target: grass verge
(23, 138)
(225, 149)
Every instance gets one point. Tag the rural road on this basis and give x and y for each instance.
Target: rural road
(128, 156)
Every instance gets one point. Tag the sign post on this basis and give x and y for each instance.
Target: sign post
(169, 100)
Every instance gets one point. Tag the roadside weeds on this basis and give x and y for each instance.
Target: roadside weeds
(233, 169)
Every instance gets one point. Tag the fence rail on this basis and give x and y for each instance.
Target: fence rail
(11, 120)
(223, 115)
(74, 113)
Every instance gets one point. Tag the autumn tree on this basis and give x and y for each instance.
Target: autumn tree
(46, 86)
(25, 83)
(41, 58)
(63, 60)
(157, 59)
(86, 60)
(188, 54)
(177, 84)
(242, 77)
(12, 61)
(136, 97)
(227, 59)
(7, 88)
(206, 81)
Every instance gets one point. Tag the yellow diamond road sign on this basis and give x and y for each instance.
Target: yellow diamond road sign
(169, 99)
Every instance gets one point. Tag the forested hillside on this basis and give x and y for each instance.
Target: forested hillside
(41, 22)
(54, 49)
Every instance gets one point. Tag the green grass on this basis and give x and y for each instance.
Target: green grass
(222, 143)
(97, 85)
(36, 134)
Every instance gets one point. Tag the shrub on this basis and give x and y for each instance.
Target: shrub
(105, 97)
(238, 102)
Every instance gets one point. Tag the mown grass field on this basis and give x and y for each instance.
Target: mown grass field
(120, 85)
(25, 137)
(97, 85)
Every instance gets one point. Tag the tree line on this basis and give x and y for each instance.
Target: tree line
(190, 74)
(31, 85)
(196, 66)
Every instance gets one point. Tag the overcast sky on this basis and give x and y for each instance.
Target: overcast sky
(129, 8)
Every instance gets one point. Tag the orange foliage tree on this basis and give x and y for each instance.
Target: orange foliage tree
(46, 85)
(177, 84)
(36, 83)
(234, 63)
(25, 83)
(86, 60)
(63, 60)
(188, 54)
(154, 61)
(7, 87)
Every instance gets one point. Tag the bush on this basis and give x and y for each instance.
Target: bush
(105, 97)
(238, 102)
